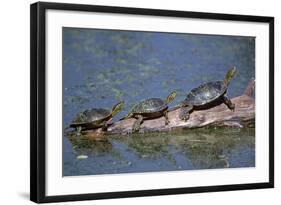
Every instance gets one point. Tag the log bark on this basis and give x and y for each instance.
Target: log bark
(218, 116)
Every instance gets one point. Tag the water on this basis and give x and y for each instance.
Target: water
(102, 67)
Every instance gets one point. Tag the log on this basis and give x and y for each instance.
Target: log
(218, 116)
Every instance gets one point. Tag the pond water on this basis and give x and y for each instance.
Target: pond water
(102, 67)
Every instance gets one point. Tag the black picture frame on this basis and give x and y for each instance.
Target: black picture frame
(38, 100)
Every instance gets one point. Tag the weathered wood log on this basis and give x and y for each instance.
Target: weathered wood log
(218, 116)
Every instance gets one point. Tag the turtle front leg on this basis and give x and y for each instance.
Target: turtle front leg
(137, 124)
(79, 130)
(228, 103)
(185, 112)
(167, 121)
(104, 126)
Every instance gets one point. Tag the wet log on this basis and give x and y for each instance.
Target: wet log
(218, 116)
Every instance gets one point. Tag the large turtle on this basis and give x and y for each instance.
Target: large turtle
(95, 118)
(207, 95)
(150, 108)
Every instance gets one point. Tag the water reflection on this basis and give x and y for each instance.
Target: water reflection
(181, 150)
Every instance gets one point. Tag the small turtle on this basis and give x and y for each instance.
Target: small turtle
(150, 108)
(95, 118)
(207, 95)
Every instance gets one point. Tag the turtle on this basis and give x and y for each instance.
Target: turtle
(95, 118)
(149, 109)
(207, 95)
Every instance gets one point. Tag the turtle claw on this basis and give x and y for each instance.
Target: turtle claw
(185, 113)
(233, 107)
(129, 132)
(184, 118)
(134, 130)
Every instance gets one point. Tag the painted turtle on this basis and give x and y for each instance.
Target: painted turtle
(95, 118)
(207, 95)
(150, 108)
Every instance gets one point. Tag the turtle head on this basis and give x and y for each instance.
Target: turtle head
(117, 108)
(171, 97)
(229, 75)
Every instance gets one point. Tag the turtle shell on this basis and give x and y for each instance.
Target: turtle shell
(95, 115)
(206, 93)
(151, 105)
